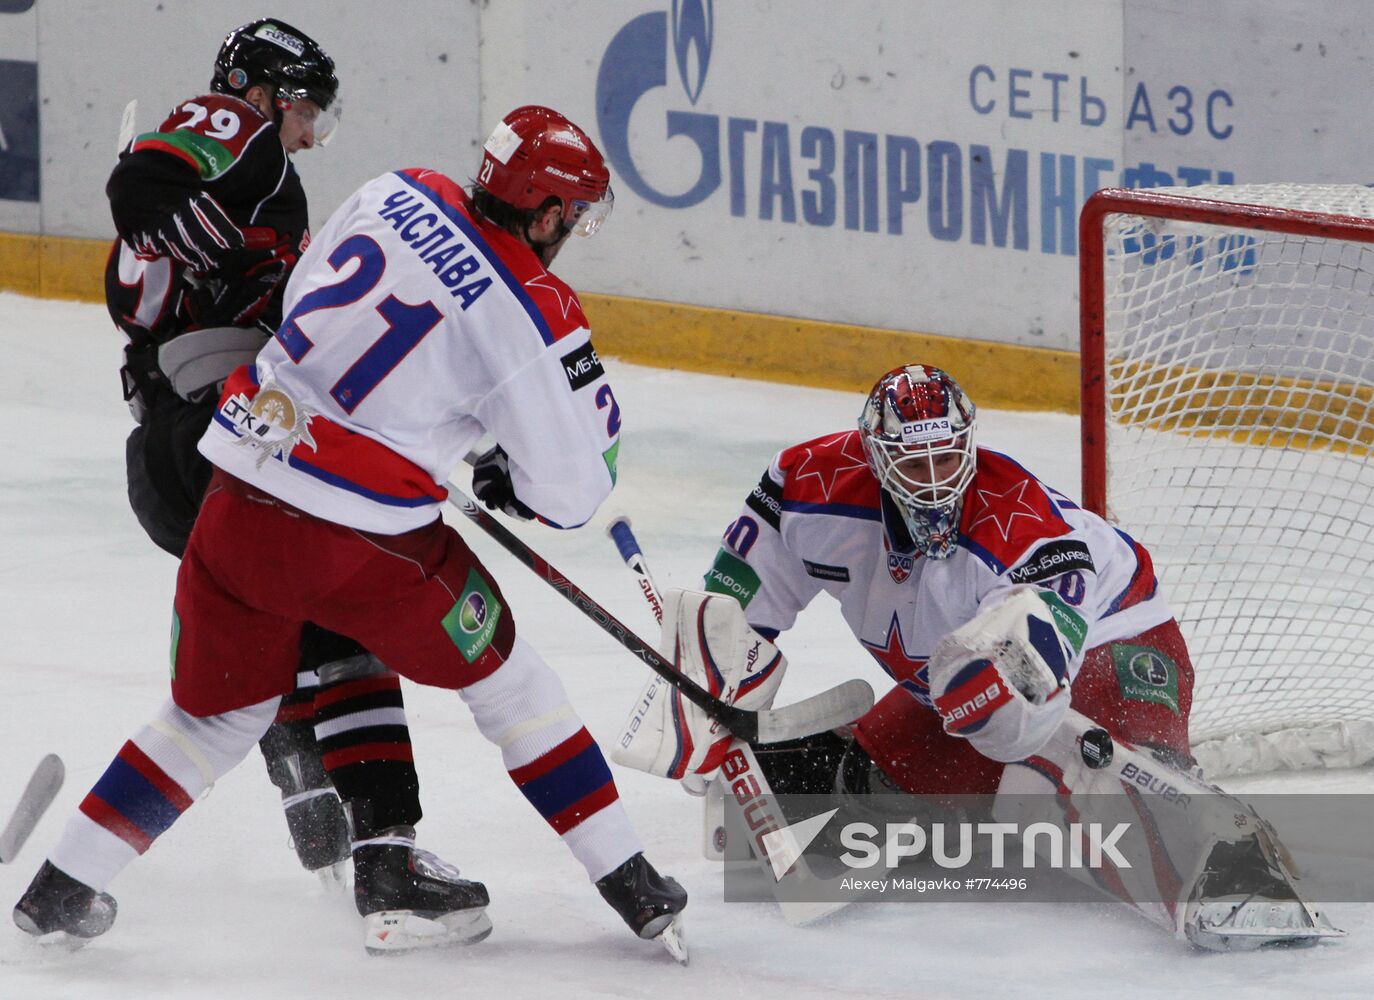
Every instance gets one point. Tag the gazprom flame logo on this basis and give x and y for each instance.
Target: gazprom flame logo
(635, 63)
(692, 22)
(474, 613)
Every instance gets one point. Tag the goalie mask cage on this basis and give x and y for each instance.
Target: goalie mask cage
(1227, 420)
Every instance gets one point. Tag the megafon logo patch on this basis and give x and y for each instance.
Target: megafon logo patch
(474, 613)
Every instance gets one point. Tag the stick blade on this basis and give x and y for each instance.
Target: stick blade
(38, 795)
(837, 706)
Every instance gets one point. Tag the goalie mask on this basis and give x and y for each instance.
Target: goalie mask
(917, 430)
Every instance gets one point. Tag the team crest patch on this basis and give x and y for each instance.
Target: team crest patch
(472, 620)
(271, 422)
(899, 566)
(1146, 674)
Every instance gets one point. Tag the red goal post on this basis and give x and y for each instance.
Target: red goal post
(1227, 410)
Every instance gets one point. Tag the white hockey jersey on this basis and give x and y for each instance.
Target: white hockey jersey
(412, 327)
(818, 521)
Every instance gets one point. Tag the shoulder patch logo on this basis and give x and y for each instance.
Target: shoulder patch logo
(730, 574)
(766, 501)
(582, 366)
(1054, 559)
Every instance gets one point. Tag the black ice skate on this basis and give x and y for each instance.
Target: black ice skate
(413, 899)
(319, 833)
(648, 902)
(59, 910)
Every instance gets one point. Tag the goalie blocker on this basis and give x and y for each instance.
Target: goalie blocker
(708, 641)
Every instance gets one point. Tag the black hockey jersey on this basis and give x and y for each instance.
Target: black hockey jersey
(215, 143)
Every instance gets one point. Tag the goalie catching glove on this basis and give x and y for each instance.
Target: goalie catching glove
(708, 641)
(1001, 681)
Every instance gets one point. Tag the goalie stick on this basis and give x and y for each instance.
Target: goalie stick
(747, 782)
(834, 707)
(42, 788)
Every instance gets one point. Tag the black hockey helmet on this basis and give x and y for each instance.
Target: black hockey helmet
(268, 51)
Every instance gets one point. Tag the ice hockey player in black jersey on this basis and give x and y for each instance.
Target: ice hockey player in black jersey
(211, 216)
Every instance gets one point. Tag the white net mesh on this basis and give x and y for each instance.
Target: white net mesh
(1239, 381)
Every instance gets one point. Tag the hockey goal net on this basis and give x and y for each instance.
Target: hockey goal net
(1228, 419)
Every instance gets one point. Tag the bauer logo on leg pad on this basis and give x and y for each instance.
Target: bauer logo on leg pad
(471, 622)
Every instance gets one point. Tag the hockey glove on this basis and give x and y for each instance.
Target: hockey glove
(245, 280)
(195, 232)
(1001, 681)
(711, 642)
(491, 482)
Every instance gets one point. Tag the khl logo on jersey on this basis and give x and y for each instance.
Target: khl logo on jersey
(899, 566)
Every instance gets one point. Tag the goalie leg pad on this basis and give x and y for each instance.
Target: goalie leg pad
(1217, 875)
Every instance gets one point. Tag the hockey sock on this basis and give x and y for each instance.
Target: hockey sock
(362, 734)
(155, 777)
(554, 761)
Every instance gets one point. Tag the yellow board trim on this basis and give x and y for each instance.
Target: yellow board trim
(1269, 410)
(53, 267)
(827, 355)
(693, 338)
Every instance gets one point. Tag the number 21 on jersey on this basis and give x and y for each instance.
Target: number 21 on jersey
(407, 323)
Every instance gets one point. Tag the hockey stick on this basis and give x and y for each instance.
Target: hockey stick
(713, 802)
(42, 788)
(835, 707)
(748, 781)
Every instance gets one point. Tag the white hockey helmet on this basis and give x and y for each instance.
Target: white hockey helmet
(917, 428)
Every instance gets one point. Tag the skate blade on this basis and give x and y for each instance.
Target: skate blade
(394, 932)
(1221, 926)
(333, 878)
(53, 940)
(673, 940)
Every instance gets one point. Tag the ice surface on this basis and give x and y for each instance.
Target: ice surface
(219, 907)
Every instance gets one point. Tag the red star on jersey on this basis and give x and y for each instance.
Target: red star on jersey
(818, 460)
(901, 666)
(564, 296)
(1002, 509)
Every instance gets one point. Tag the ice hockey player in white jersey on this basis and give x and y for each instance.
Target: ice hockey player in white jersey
(993, 602)
(420, 319)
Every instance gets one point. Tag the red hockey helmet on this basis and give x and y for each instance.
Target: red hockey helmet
(535, 153)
